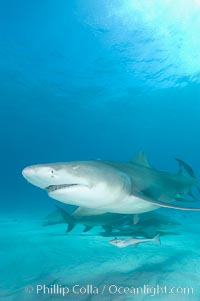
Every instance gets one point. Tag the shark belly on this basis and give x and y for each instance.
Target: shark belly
(131, 205)
(113, 202)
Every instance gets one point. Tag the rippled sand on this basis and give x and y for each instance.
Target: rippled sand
(34, 255)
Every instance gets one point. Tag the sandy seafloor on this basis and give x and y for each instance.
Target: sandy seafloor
(89, 80)
(35, 255)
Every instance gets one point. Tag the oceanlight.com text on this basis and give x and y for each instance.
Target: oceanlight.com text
(109, 289)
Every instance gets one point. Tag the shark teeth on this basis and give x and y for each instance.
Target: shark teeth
(51, 188)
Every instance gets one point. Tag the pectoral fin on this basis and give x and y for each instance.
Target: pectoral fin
(166, 205)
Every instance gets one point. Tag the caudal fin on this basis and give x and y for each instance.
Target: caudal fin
(186, 167)
(67, 218)
(190, 171)
(157, 238)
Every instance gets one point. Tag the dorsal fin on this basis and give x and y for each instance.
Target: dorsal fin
(141, 159)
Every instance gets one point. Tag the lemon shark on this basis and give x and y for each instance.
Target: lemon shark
(107, 221)
(150, 223)
(100, 186)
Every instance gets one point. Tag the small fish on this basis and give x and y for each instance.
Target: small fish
(122, 243)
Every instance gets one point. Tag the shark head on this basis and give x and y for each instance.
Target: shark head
(83, 183)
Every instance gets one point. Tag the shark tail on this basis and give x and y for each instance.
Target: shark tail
(186, 167)
(67, 218)
(157, 238)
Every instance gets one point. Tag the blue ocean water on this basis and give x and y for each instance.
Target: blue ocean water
(85, 80)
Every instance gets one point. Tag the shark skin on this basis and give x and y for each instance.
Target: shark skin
(105, 186)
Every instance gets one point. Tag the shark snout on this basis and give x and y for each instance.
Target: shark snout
(37, 175)
(28, 172)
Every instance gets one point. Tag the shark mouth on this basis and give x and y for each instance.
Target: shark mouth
(52, 188)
